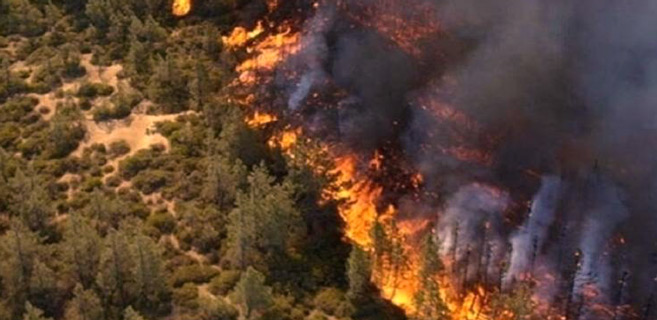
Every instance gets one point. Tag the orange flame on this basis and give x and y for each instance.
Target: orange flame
(260, 119)
(268, 53)
(285, 140)
(240, 36)
(181, 8)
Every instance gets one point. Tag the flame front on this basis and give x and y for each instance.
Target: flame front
(358, 195)
(181, 8)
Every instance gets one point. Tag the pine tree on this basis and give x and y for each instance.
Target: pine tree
(103, 212)
(82, 246)
(131, 314)
(264, 220)
(429, 304)
(116, 274)
(224, 176)
(359, 273)
(33, 313)
(381, 245)
(151, 283)
(251, 294)
(241, 239)
(85, 305)
(398, 257)
(19, 249)
(168, 85)
(30, 200)
(99, 13)
(200, 87)
(44, 290)
(517, 302)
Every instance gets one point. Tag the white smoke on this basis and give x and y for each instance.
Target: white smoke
(466, 214)
(314, 51)
(531, 236)
(605, 212)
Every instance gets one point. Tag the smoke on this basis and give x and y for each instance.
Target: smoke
(550, 87)
(530, 238)
(474, 210)
(605, 211)
(314, 52)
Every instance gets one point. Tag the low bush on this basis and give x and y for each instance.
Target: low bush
(186, 297)
(195, 273)
(329, 300)
(92, 90)
(118, 148)
(150, 181)
(224, 282)
(163, 221)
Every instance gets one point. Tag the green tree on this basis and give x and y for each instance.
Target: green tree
(359, 273)
(138, 64)
(85, 305)
(19, 247)
(381, 246)
(30, 201)
(99, 13)
(265, 220)
(131, 314)
(398, 257)
(33, 313)
(517, 301)
(429, 304)
(150, 280)
(168, 85)
(24, 18)
(201, 86)
(45, 292)
(251, 294)
(224, 177)
(103, 212)
(116, 274)
(82, 246)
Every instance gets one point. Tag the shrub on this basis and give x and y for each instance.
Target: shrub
(118, 148)
(84, 103)
(150, 181)
(195, 273)
(64, 137)
(106, 112)
(15, 110)
(218, 309)
(91, 90)
(317, 316)
(9, 135)
(163, 221)
(329, 300)
(91, 184)
(113, 181)
(131, 166)
(186, 297)
(108, 169)
(224, 282)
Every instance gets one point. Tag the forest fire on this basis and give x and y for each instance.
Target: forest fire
(260, 119)
(181, 8)
(500, 258)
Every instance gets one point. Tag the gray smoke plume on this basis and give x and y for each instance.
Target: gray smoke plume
(314, 52)
(605, 211)
(469, 213)
(530, 237)
(553, 86)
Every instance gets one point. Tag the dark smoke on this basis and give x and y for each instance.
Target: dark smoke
(565, 88)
